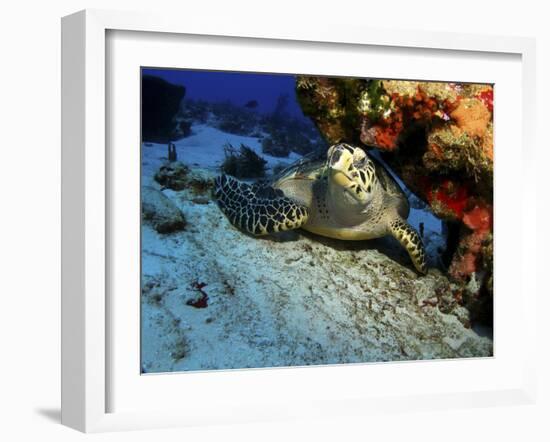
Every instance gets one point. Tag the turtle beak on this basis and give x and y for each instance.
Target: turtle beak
(339, 162)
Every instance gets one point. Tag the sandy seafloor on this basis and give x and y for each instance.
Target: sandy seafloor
(298, 299)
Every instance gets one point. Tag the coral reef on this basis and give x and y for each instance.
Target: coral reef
(270, 147)
(290, 135)
(281, 132)
(438, 137)
(195, 110)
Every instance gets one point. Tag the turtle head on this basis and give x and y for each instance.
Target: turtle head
(352, 176)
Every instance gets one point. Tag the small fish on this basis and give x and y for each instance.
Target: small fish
(252, 104)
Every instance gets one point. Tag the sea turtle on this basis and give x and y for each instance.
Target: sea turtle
(349, 195)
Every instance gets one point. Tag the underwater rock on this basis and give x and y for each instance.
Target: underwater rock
(233, 119)
(197, 111)
(274, 149)
(184, 128)
(160, 104)
(172, 175)
(177, 176)
(291, 300)
(160, 211)
(438, 137)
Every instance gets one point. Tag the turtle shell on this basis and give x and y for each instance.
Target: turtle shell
(311, 166)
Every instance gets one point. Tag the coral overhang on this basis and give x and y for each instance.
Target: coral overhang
(438, 137)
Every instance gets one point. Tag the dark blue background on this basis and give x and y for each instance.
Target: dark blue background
(238, 87)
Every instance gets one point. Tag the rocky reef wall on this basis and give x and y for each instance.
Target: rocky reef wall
(438, 137)
(160, 104)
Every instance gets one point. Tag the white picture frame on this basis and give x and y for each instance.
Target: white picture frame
(86, 356)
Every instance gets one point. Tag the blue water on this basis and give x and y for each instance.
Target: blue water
(201, 297)
(237, 87)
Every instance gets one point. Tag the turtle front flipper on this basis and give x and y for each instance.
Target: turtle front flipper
(409, 239)
(257, 209)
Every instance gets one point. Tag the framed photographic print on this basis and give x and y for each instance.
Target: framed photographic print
(281, 224)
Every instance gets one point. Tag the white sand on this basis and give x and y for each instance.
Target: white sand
(204, 149)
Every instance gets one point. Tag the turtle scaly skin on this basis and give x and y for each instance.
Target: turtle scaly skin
(408, 237)
(257, 210)
(348, 196)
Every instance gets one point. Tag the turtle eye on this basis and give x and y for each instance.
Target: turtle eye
(359, 155)
(360, 158)
(362, 164)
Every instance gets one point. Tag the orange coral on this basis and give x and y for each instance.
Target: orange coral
(384, 133)
(478, 218)
(472, 116)
(469, 255)
(488, 144)
(467, 261)
(386, 137)
(448, 199)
